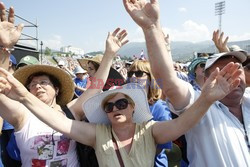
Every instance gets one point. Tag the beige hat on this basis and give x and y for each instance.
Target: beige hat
(66, 91)
(84, 62)
(114, 78)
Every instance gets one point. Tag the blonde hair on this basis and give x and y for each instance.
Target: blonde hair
(106, 99)
(155, 92)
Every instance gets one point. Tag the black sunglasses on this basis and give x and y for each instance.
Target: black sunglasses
(201, 65)
(120, 104)
(137, 73)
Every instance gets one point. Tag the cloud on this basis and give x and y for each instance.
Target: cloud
(54, 43)
(182, 9)
(190, 31)
(245, 36)
(137, 36)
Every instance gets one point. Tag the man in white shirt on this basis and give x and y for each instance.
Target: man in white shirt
(221, 137)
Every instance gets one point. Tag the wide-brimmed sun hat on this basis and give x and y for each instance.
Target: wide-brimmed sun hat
(237, 54)
(114, 78)
(95, 114)
(84, 62)
(66, 91)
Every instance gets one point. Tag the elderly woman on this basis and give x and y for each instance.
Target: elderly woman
(119, 130)
(140, 72)
(51, 86)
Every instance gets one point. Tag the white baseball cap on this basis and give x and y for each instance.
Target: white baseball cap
(237, 54)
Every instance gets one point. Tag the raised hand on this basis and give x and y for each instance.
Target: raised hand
(9, 34)
(218, 41)
(145, 14)
(115, 41)
(11, 87)
(221, 82)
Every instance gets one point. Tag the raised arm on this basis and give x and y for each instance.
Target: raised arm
(9, 35)
(114, 42)
(11, 110)
(78, 130)
(218, 41)
(216, 87)
(146, 15)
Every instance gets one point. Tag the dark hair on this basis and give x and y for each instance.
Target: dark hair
(96, 65)
(55, 82)
(246, 62)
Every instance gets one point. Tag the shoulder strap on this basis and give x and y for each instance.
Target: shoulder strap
(86, 155)
(68, 112)
(117, 151)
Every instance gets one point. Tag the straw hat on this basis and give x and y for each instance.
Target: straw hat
(84, 62)
(95, 113)
(66, 91)
(114, 78)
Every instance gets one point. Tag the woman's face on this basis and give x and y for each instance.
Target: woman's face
(120, 115)
(91, 69)
(43, 89)
(140, 77)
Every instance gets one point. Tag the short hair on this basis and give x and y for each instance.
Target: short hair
(55, 82)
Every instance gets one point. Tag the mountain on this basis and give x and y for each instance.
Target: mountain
(181, 50)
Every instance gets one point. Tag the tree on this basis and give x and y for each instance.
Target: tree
(47, 51)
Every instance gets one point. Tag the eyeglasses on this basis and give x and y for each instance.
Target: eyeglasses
(42, 83)
(137, 73)
(120, 105)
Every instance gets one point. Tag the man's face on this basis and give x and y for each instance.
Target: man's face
(238, 92)
(247, 74)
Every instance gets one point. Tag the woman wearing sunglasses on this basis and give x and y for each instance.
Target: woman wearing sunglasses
(140, 72)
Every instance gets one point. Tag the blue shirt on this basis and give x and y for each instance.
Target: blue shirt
(7, 125)
(189, 78)
(161, 112)
(80, 83)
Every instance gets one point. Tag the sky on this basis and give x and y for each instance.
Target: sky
(85, 24)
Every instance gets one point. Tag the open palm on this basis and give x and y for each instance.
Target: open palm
(221, 83)
(145, 14)
(9, 34)
(115, 41)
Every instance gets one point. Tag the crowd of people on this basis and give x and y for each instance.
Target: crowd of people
(103, 112)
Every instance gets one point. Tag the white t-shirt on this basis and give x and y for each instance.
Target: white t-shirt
(219, 138)
(42, 146)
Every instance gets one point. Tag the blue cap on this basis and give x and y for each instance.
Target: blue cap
(13, 59)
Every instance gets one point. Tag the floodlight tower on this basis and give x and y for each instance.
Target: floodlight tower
(219, 11)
